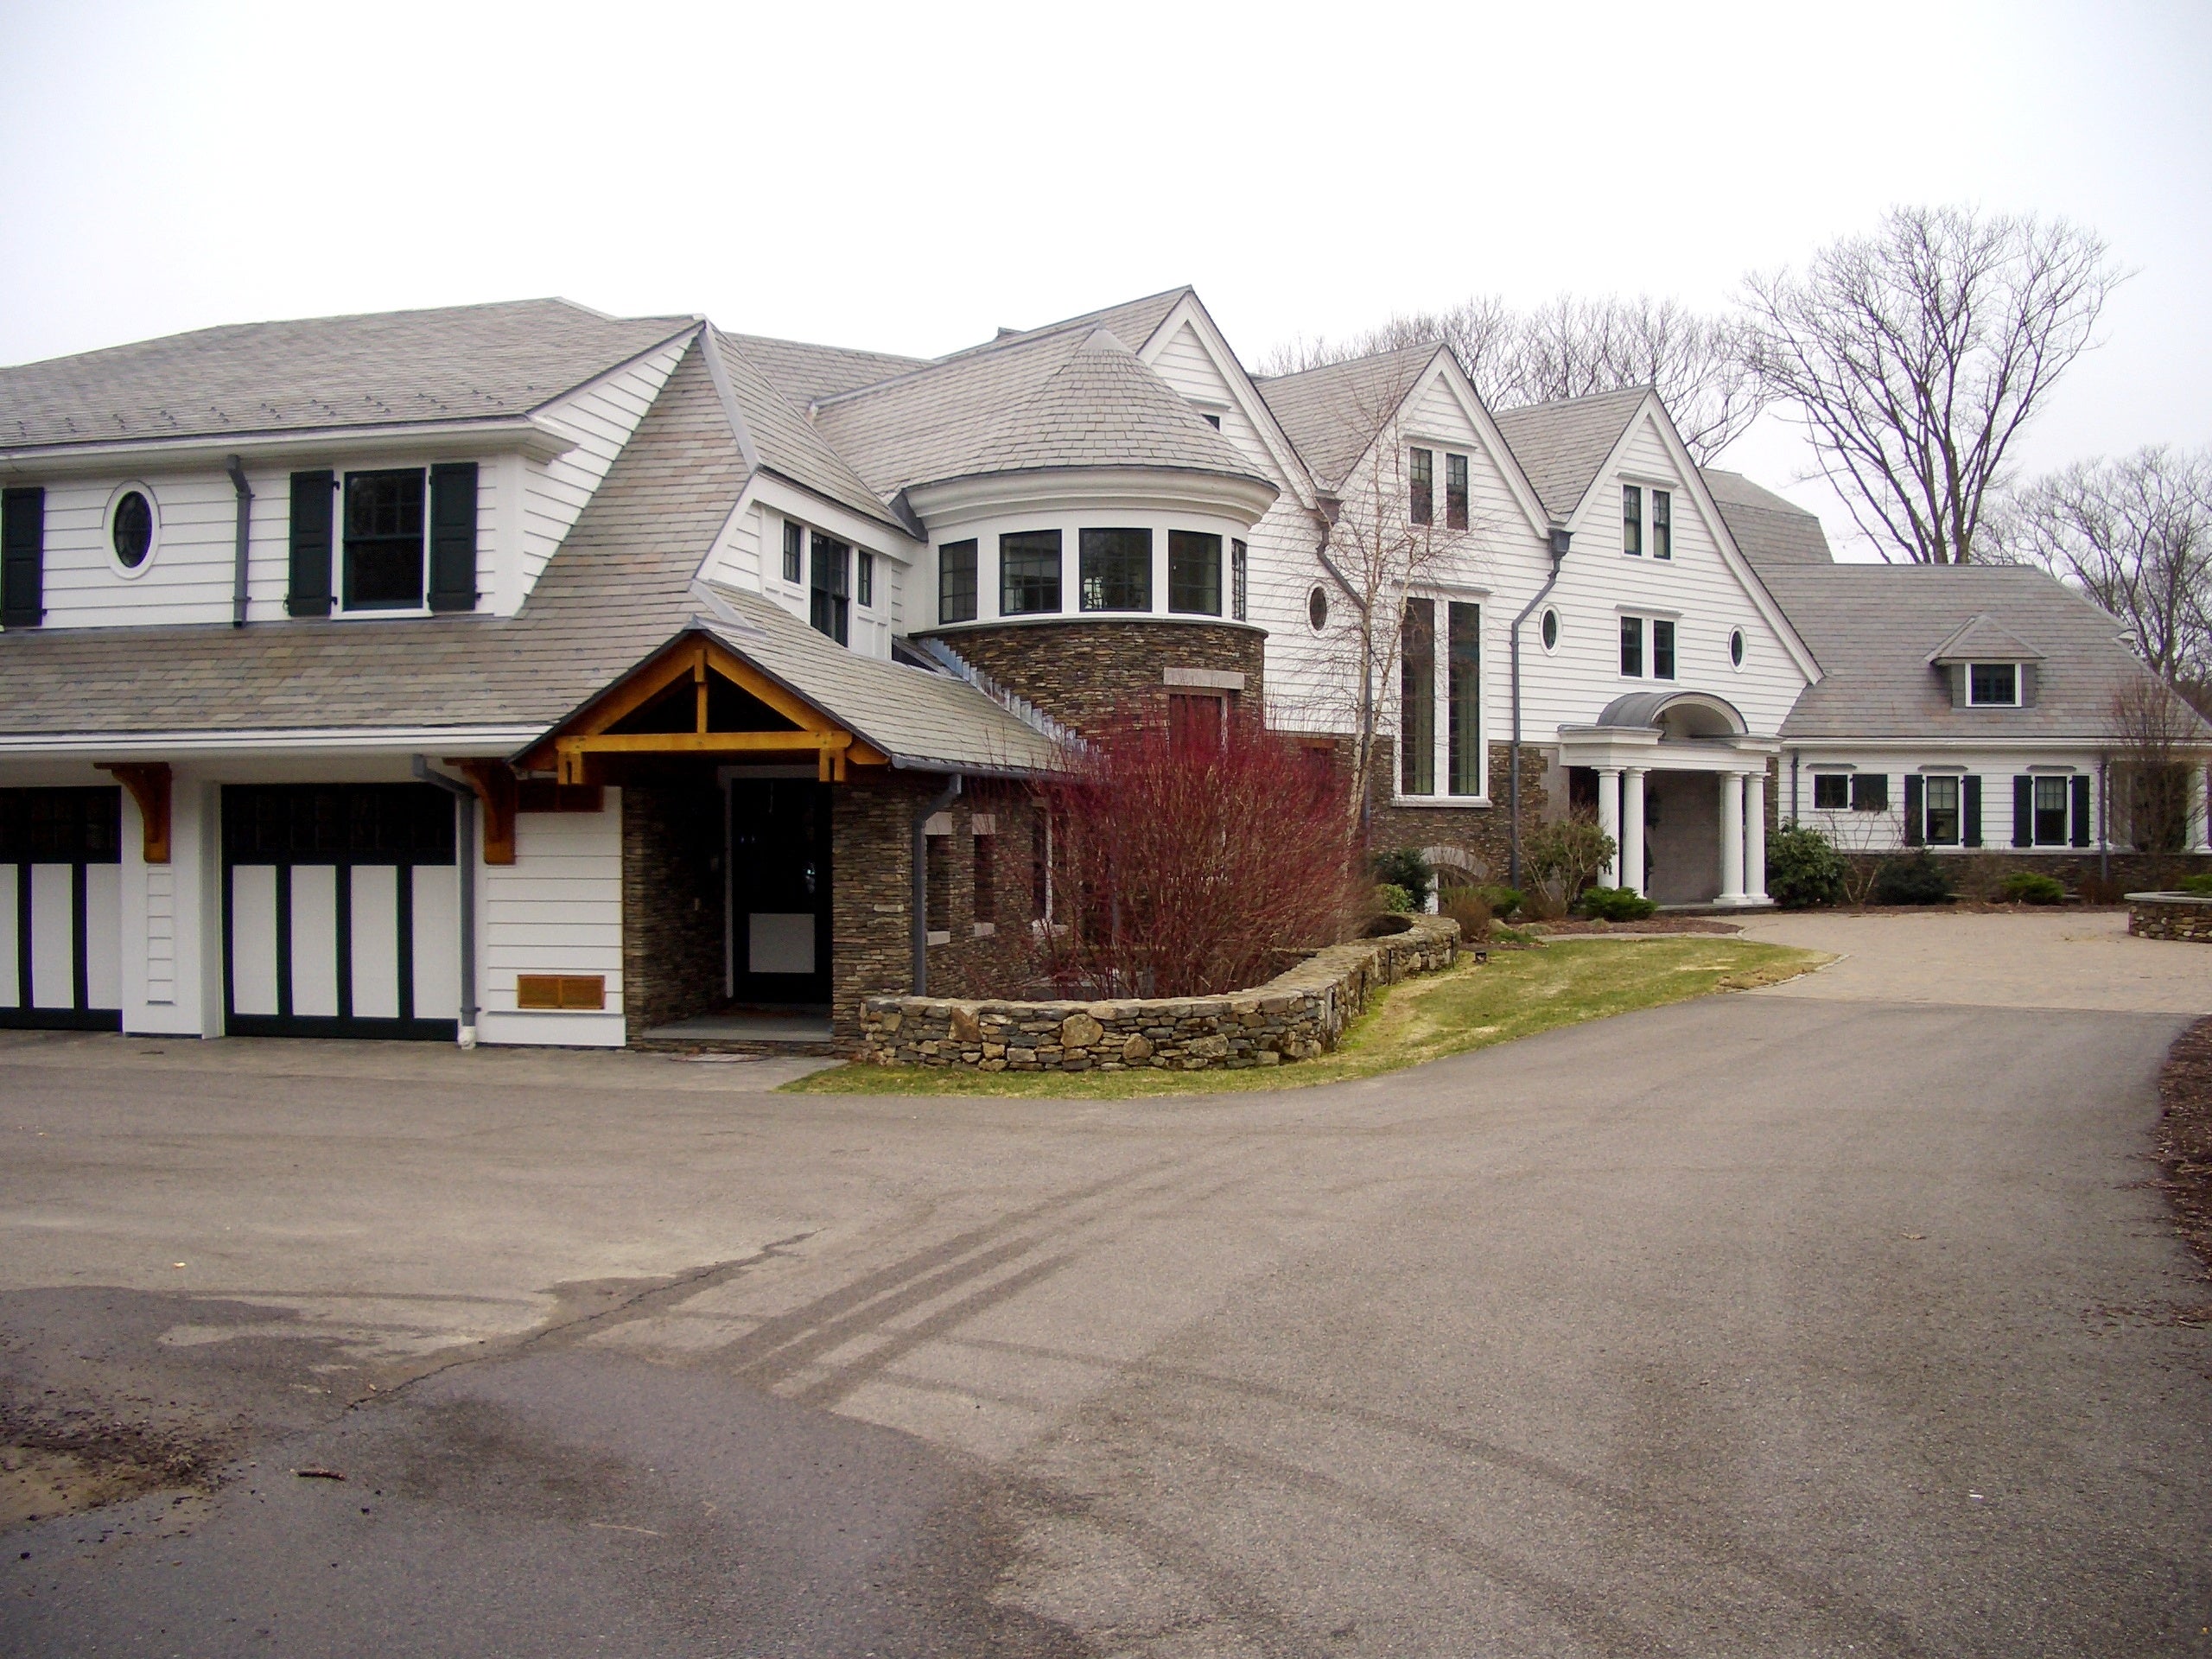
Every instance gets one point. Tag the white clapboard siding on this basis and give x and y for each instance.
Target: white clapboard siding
(1184, 363)
(1879, 832)
(603, 414)
(557, 909)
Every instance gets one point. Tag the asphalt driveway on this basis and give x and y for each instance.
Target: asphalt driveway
(1798, 1323)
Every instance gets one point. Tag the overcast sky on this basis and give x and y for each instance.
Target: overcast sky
(910, 178)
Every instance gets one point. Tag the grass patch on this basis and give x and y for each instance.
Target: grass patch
(1515, 993)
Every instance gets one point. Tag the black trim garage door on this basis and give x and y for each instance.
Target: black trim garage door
(341, 912)
(60, 909)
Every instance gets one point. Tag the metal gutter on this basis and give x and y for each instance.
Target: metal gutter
(1560, 537)
(236, 468)
(465, 805)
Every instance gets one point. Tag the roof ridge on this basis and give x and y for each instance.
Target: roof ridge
(1044, 329)
(1432, 346)
(1641, 389)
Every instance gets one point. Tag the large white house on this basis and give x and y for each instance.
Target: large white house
(519, 672)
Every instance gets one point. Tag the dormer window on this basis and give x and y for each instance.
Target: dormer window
(1993, 685)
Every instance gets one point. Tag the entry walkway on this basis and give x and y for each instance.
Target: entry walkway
(2054, 958)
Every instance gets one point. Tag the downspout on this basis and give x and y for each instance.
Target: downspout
(921, 930)
(1795, 757)
(1560, 539)
(237, 470)
(2104, 821)
(466, 798)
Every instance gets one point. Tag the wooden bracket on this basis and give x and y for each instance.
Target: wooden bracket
(149, 784)
(495, 785)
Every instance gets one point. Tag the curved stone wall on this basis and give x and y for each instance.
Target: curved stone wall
(1086, 671)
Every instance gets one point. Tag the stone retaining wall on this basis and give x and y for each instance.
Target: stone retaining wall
(1297, 1015)
(2169, 916)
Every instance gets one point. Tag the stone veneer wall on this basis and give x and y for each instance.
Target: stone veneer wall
(672, 964)
(1480, 833)
(1087, 671)
(1297, 1015)
(2169, 916)
(1978, 872)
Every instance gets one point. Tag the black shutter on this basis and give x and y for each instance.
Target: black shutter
(314, 505)
(2024, 812)
(2080, 809)
(1970, 811)
(22, 559)
(1915, 818)
(453, 536)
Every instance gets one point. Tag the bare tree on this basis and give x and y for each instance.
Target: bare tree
(1574, 347)
(1915, 356)
(2136, 535)
(2157, 745)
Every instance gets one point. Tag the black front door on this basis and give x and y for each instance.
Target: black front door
(779, 891)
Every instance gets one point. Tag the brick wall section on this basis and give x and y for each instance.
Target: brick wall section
(1481, 833)
(1977, 872)
(672, 965)
(1086, 672)
(2169, 916)
(1297, 1015)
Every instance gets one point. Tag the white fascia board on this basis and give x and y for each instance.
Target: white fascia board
(538, 437)
(1471, 402)
(1991, 745)
(491, 741)
(1080, 489)
(778, 494)
(1731, 555)
(1191, 309)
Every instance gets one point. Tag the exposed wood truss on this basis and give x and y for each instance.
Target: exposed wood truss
(149, 784)
(572, 749)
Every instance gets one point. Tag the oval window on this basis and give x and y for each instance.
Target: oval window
(1550, 629)
(133, 530)
(1736, 647)
(1317, 610)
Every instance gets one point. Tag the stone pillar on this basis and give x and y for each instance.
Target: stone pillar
(1609, 819)
(1732, 838)
(1632, 829)
(1755, 837)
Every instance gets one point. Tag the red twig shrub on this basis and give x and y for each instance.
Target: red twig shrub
(1183, 863)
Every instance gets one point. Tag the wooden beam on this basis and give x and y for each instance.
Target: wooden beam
(149, 784)
(574, 751)
(495, 785)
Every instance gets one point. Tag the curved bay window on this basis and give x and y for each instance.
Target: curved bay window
(956, 582)
(1029, 572)
(1116, 569)
(1193, 573)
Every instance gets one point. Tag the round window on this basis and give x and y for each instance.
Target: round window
(1317, 610)
(1736, 647)
(133, 529)
(1550, 630)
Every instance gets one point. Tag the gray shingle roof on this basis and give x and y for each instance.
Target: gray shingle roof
(1561, 445)
(1024, 404)
(1332, 414)
(619, 589)
(1133, 322)
(1983, 638)
(463, 362)
(1873, 626)
(1768, 527)
(804, 373)
(785, 443)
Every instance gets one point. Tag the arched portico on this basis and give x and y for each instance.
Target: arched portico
(1680, 767)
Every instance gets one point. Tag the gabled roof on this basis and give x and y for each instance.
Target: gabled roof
(1022, 403)
(1331, 414)
(1563, 445)
(397, 368)
(1768, 527)
(1874, 627)
(1133, 322)
(1983, 638)
(781, 441)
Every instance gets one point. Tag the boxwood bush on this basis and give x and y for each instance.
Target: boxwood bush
(2032, 887)
(1917, 881)
(1803, 869)
(1616, 905)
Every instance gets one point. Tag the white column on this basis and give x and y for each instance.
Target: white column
(2200, 819)
(1755, 837)
(1732, 838)
(1632, 829)
(1609, 818)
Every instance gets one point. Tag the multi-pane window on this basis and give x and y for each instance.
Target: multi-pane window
(1994, 685)
(1239, 581)
(1632, 519)
(2050, 795)
(1421, 469)
(1455, 492)
(1831, 791)
(865, 585)
(1194, 573)
(794, 538)
(1464, 700)
(1029, 573)
(1663, 649)
(1663, 525)
(1870, 792)
(1417, 699)
(956, 582)
(1943, 811)
(828, 586)
(1632, 647)
(383, 540)
(1852, 791)
(1115, 569)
